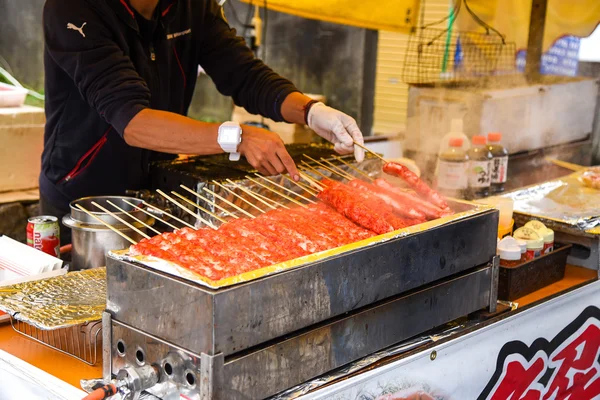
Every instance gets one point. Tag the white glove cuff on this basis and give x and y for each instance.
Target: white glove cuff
(309, 118)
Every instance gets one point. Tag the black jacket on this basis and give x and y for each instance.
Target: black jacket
(101, 71)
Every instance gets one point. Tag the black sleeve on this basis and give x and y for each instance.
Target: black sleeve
(234, 69)
(104, 75)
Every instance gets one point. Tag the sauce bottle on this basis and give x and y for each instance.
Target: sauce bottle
(480, 161)
(453, 163)
(499, 162)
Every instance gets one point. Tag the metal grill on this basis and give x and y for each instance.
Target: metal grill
(442, 55)
(83, 342)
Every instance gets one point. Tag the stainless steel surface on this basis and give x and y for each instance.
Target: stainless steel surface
(83, 342)
(92, 240)
(235, 318)
(106, 350)
(494, 284)
(132, 381)
(272, 367)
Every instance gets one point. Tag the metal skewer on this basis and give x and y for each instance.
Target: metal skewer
(301, 185)
(284, 188)
(197, 206)
(106, 224)
(370, 151)
(276, 192)
(198, 195)
(184, 208)
(127, 224)
(256, 196)
(230, 203)
(133, 217)
(150, 214)
(363, 173)
(238, 196)
(348, 175)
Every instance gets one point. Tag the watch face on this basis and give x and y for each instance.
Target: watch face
(229, 134)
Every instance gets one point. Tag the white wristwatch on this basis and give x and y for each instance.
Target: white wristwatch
(229, 138)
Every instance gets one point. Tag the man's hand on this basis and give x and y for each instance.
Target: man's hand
(265, 151)
(338, 128)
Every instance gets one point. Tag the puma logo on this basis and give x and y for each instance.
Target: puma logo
(75, 28)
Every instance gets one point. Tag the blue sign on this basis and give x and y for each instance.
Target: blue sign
(561, 59)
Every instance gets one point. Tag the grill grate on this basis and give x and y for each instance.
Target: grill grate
(83, 341)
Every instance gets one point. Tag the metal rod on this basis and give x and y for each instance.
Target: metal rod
(150, 214)
(184, 208)
(370, 151)
(228, 202)
(197, 206)
(253, 195)
(284, 188)
(535, 40)
(112, 214)
(226, 211)
(106, 224)
(311, 181)
(238, 196)
(285, 196)
(301, 185)
(363, 173)
(308, 167)
(133, 217)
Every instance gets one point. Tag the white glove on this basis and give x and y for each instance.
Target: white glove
(338, 128)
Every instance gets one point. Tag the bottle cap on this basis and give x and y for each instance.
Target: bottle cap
(456, 125)
(512, 253)
(536, 226)
(456, 142)
(494, 137)
(548, 235)
(508, 241)
(535, 244)
(526, 234)
(479, 140)
(522, 245)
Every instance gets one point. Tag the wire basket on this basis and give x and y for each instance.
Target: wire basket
(442, 56)
(83, 341)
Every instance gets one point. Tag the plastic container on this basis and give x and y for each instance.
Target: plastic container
(12, 96)
(456, 131)
(548, 236)
(510, 256)
(480, 161)
(452, 169)
(505, 206)
(523, 246)
(499, 168)
(535, 243)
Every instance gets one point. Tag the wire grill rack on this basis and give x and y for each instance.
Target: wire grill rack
(441, 55)
(83, 341)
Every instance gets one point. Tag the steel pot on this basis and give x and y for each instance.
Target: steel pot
(92, 240)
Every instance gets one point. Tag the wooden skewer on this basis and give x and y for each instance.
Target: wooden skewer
(286, 189)
(238, 196)
(363, 173)
(151, 215)
(326, 168)
(133, 217)
(226, 211)
(171, 215)
(273, 202)
(230, 203)
(301, 185)
(347, 175)
(312, 181)
(370, 151)
(253, 195)
(307, 167)
(127, 224)
(184, 208)
(285, 196)
(109, 226)
(565, 164)
(197, 206)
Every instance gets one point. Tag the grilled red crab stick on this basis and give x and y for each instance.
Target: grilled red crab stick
(399, 205)
(399, 170)
(410, 198)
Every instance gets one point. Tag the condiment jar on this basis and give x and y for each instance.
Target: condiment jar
(452, 169)
(523, 246)
(535, 243)
(499, 162)
(480, 162)
(510, 256)
(548, 236)
(535, 225)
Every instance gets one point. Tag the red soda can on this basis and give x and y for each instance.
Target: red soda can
(43, 233)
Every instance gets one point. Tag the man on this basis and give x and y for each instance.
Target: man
(120, 75)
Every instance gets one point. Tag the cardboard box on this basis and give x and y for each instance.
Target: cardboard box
(22, 138)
